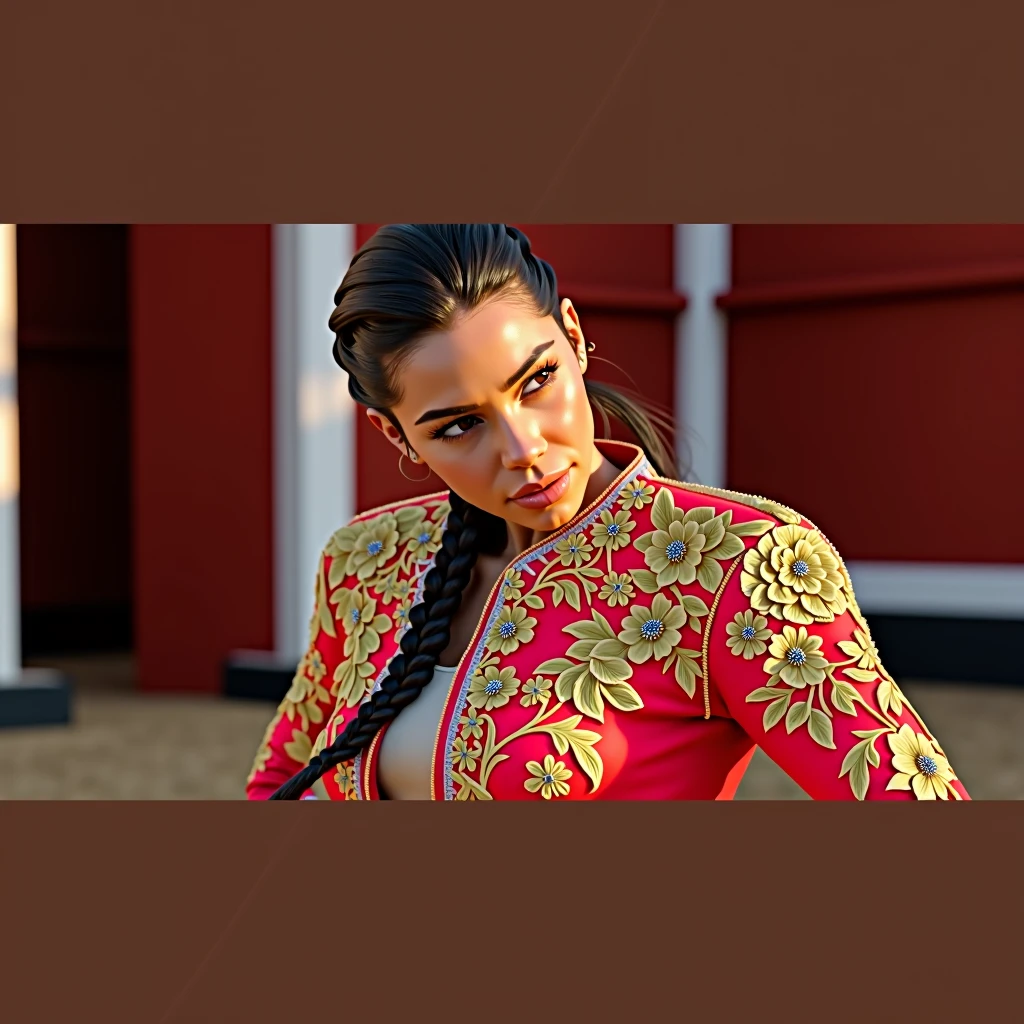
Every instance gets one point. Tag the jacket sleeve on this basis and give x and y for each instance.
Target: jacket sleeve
(791, 656)
(292, 736)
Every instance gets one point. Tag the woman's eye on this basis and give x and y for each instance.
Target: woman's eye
(537, 381)
(463, 426)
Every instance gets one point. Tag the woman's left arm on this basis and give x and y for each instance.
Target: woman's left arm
(791, 656)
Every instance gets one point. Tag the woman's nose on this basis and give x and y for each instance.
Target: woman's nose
(522, 444)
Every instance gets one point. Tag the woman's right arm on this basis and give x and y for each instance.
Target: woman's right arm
(301, 716)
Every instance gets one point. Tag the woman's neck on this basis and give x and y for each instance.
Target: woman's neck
(602, 475)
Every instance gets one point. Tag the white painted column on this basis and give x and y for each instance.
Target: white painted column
(314, 419)
(10, 586)
(702, 271)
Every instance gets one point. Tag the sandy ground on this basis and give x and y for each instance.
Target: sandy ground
(124, 745)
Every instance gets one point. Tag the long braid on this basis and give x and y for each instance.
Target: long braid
(413, 667)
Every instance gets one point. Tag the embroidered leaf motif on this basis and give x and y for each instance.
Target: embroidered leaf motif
(848, 647)
(472, 787)
(858, 758)
(566, 682)
(565, 736)
(861, 675)
(693, 605)
(534, 601)
(581, 650)
(557, 593)
(646, 580)
(591, 571)
(767, 693)
(299, 747)
(558, 732)
(709, 575)
(687, 669)
(662, 510)
(596, 628)
(774, 712)
(752, 529)
(572, 594)
(843, 696)
(610, 670)
(323, 609)
(553, 666)
(623, 697)
(587, 696)
(729, 547)
(820, 728)
(798, 714)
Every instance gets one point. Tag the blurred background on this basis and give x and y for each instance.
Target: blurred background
(176, 445)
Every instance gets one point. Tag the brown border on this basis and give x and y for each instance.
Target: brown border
(656, 112)
(191, 912)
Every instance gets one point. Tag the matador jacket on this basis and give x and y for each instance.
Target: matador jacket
(641, 651)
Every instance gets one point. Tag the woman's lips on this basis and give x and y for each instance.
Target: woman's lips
(548, 496)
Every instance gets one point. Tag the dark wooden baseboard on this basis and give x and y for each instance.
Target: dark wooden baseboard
(257, 675)
(37, 697)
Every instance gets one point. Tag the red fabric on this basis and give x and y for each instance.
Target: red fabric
(678, 744)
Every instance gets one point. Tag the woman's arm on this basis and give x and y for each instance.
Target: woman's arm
(290, 737)
(814, 694)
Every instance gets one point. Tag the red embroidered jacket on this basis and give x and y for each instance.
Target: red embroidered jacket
(641, 651)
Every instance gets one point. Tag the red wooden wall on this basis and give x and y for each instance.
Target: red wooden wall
(875, 383)
(73, 394)
(620, 280)
(202, 428)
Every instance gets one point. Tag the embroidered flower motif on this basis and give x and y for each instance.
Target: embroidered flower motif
(400, 616)
(613, 531)
(795, 658)
(512, 586)
(359, 618)
(574, 549)
(617, 589)
(536, 691)
(747, 634)
(549, 778)
(675, 553)
(464, 757)
(652, 632)
(345, 777)
(377, 543)
(471, 724)
(793, 574)
(305, 692)
(512, 628)
(919, 766)
(425, 542)
(315, 667)
(636, 495)
(391, 588)
(493, 688)
(863, 648)
(686, 546)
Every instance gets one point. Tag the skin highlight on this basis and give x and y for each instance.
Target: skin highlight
(516, 415)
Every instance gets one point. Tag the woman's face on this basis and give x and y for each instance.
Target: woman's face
(497, 409)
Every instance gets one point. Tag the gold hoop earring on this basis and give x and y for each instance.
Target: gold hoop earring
(412, 479)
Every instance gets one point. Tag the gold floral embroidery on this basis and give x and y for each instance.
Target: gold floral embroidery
(613, 530)
(471, 724)
(550, 778)
(687, 545)
(617, 589)
(635, 495)
(795, 658)
(512, 628)
(492, 688)
(919, 766)
(512, 586)
(652, 632)
(594, 670)
(574, 549)
(345, 777)
(305, 694)
(299, 747)
(536, 691)
(464, 756)
(747, 634)
(792, 574)
(374, 547)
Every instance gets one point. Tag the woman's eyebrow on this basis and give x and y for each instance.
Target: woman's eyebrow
(458, 410)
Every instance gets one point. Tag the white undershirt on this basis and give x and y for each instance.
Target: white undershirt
(403, 760)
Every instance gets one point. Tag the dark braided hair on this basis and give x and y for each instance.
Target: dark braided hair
(408, 281)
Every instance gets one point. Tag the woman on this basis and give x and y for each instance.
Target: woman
(565, 620)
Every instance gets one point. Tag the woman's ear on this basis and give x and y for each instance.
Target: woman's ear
(571, 321)
(391, 432)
